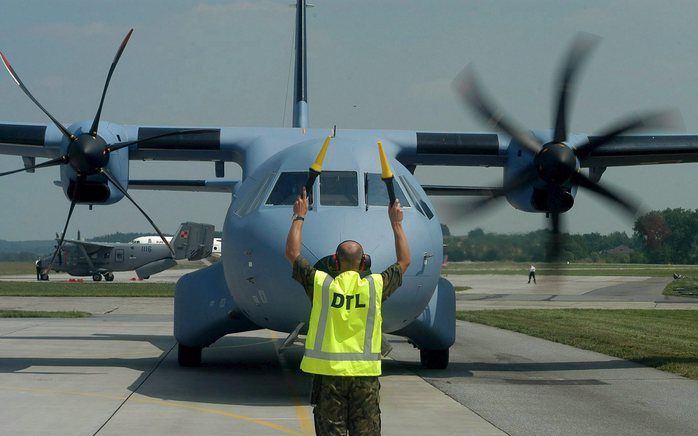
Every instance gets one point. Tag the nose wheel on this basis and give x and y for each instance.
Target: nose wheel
(188, 356)
(434, 359)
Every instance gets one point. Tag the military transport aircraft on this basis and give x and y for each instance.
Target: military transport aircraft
(193, 241)
(251, 287)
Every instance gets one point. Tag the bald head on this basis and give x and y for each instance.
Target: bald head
(349, 254)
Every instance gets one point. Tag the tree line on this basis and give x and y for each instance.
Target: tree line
(666, 236)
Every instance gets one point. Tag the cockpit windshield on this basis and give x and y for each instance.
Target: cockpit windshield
(339, 188)
(377, 193)
(287, 188)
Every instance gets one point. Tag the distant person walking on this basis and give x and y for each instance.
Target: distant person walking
(532, 274)
(37, 263)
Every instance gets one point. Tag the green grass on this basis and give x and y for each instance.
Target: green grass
(663, 339)
(462, 288)
(687, 287)
(86, 289)
(573, 269)
(43, 314)
(16, 268)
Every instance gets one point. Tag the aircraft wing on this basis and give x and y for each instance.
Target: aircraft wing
(208, 185)
(249, 146)
(90, 247)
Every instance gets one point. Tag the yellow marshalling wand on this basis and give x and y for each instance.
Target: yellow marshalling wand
(316, 168)
(386, 173)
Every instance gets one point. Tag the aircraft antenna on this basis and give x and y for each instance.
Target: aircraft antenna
(300, 94)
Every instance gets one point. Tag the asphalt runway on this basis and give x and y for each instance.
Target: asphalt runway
(602, 292)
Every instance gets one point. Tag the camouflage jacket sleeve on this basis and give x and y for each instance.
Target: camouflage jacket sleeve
(392, 280)
(304, 274)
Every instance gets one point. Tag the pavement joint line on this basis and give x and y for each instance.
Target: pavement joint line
(24, 328)
(152, 370)
(301, 412)
(144, 400)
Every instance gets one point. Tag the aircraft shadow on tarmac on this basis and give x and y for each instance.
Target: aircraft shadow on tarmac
(247, 370)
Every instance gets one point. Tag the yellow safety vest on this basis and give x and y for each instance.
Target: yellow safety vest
(344, 334)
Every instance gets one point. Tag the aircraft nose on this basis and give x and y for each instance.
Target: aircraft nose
(322, 236)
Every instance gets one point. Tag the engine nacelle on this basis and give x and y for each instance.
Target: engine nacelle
(95, 188)
(535, 196)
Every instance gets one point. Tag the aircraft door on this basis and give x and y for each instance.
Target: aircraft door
(119, 255)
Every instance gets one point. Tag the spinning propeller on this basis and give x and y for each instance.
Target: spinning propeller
(88, 153)
(556, 164)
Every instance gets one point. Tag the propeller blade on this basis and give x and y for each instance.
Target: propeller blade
(95, 123)
(581, 47)
(60, 243)
(520, 180)
(468, 88)
(555, 242)
(118, 185)
(584, 182)
(523, 178)
(651, 120)
(18, 81)
(120, 145)
(53, 162)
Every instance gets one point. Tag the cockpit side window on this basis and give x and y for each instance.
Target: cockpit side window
(377, 193)
(339, 188)
(287, 188)
(418, 201)
(254, 196)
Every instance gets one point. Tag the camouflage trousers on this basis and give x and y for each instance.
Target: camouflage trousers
(346, 405)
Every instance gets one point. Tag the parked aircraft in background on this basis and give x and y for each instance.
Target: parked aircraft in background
(193, 241)
(155, 239)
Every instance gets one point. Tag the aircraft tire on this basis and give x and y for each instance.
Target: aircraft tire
(188, 356)
(434, 359)
(44, 277)
(109, 277)
(97, 277)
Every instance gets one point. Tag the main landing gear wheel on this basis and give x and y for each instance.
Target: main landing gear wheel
(44, 277)
(109, 277)
(434, 359)
(97, 277)
(189, 356)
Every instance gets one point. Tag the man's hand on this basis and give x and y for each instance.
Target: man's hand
(395, 212)
(402, 248)
(300, 207)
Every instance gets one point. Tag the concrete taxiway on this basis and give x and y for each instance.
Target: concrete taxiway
(116, 373)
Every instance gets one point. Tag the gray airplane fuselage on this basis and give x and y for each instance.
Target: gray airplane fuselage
(256, 270)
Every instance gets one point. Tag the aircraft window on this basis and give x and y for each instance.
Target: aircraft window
(252, 198)
(339, 188)
(377, 193)
(418, 201)
(287, 188)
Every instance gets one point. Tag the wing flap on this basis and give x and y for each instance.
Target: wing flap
(644, 150)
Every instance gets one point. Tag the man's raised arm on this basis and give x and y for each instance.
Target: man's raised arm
(402, 248)
(293, 241)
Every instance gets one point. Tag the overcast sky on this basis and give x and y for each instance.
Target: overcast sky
(373, 64)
